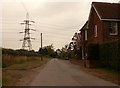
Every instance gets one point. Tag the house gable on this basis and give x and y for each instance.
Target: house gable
(107, 11)
(100, 17)
(95, 22)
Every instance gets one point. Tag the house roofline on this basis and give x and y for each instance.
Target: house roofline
(110, 19)
(103, 19)
(86, 24)
(97, 12)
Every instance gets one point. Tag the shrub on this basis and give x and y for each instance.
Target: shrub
(11, 56)
(110, 54)
(107, 54)
(20, 52)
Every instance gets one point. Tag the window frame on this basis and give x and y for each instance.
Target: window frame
(86, 36)
(115, 28)
(95, 31)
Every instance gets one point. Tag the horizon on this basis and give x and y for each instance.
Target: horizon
(58, 21)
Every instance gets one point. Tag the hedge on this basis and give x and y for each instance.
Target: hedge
(93, 51)
(108, 54)
(19, 52)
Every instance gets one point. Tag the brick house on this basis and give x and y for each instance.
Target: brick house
(104, 22)
(84, 38)
(103, 25)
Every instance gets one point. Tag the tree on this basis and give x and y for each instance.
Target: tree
(47, 51)
(74, 49)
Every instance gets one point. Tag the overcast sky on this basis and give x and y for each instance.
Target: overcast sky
(58, 20)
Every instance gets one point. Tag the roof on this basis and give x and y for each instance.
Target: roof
(107, 11)
(85, 26)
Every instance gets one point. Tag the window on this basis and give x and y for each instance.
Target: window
(95, 31)
(85, 34)
(113, 30)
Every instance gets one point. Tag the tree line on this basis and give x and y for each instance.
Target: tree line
(45, 51)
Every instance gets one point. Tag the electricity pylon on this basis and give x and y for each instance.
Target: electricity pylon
(27, 38)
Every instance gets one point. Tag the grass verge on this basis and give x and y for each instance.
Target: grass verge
(13, 73)
(104, 73)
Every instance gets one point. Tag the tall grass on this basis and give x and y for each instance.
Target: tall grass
(8, 60)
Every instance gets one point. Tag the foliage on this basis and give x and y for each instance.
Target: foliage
(0, 51)
(93, 51)
(78, 53)
(0, 57)
(110, 54)
(10, 56)
(20, 52)
(68, 52)
(47, 51)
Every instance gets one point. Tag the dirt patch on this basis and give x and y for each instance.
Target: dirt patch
(29, 76)
(22, 74)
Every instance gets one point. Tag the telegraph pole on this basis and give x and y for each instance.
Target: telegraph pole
(41, 40)
(41, 48)
(27, 38)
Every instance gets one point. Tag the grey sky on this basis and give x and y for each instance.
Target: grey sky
(56, 19)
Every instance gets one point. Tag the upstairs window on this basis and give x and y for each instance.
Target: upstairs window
(95, 31)
(113, 28)
(85, 34)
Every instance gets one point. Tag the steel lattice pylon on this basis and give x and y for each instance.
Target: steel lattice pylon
(27, 38)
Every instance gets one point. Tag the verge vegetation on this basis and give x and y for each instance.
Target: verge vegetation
(104, 73)
(18, 64)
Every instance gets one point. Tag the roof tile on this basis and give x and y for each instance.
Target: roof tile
(107, 10)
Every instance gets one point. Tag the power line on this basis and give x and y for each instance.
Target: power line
(50, 25)
(47, 34)
(22, 3)
(60, 26)
(48, 29)
(56, 32)
(46, 26)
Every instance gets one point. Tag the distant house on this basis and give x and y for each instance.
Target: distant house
(84, 38)
(103, 25)
(104, 22)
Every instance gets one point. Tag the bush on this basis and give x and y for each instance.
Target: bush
(9, 51)
(11, 57)
(20, 52)
(109, 54)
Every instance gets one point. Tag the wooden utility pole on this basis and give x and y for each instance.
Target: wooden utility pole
(41, 48)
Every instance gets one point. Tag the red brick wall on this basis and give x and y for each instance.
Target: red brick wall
(107, 36)
(94, 20)
(102, 30)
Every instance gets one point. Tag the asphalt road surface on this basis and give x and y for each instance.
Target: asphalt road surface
(61, 73)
